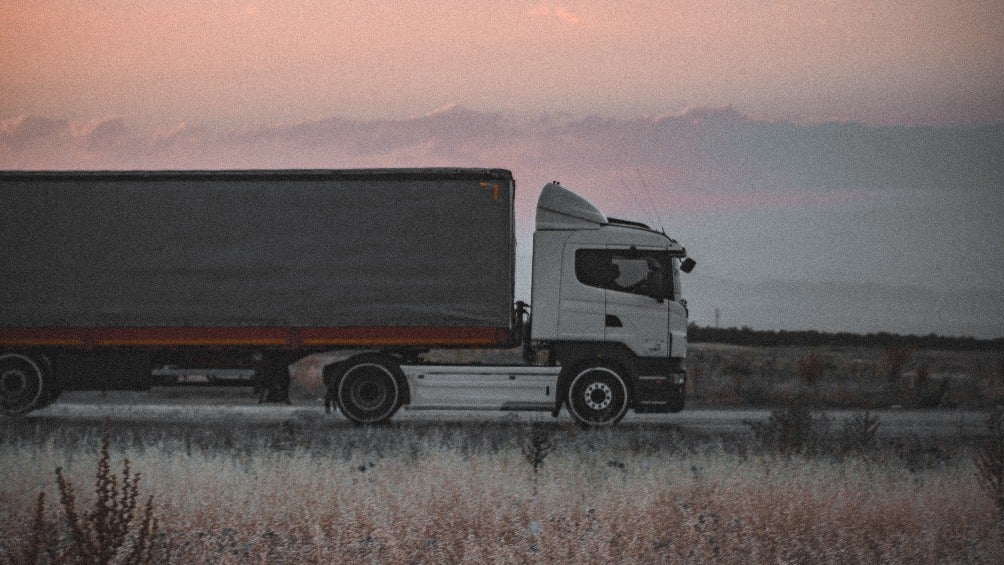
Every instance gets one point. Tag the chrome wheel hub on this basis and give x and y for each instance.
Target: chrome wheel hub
(599, 396)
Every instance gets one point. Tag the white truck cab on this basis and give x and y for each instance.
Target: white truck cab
(603, 280)
(606, 293)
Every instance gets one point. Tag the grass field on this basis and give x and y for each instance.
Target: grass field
(465, 493)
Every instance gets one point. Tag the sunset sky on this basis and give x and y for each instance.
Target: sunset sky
(247, 62)
(832, 165)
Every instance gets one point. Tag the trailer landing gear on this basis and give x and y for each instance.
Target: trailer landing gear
(271, 380)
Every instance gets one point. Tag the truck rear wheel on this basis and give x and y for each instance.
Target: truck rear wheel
(369, 391)
(597, 396)
(23, 384)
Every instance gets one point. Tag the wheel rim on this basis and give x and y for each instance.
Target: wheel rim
(21, 383)
(368, 393)
(597, 396)
(13, 382)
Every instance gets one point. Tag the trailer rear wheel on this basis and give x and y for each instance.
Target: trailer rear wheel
(597, 396)
(23, 384)
(369, 391)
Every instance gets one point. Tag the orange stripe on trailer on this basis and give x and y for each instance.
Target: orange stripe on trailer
(170, 336)
(185, 342)
(41, 337)
(41, 342)
(399, 341)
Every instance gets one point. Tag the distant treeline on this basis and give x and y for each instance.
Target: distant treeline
(747, 336)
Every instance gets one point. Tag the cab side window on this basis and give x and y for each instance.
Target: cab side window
(648, 273)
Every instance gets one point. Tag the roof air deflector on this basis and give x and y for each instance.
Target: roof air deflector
(561, 209)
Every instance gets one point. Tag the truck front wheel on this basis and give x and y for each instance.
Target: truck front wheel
(369, 391)
(23, 384)
(597, 396)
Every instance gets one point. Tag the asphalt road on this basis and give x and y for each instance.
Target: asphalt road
(239, 406)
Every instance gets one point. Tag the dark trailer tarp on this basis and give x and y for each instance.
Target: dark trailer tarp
(337, 249)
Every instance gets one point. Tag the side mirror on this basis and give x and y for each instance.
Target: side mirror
(687, 265)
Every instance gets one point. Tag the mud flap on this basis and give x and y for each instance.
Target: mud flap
(662, 394)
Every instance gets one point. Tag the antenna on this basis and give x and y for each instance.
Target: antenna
(634, 194)
(651, 203)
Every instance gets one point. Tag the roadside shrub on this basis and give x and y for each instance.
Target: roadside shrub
(792, 428)
(756, 393)
(894, 359)
(102, 535)
(860, 432)
(536, 447)
(739, 369)
(928, 392)
(810, 368)
(694, 378)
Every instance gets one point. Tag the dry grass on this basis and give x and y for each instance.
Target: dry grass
(598, 498)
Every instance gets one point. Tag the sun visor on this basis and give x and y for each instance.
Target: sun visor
(561, 209)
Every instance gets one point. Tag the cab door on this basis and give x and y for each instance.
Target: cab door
(583, 302)
(638, 301)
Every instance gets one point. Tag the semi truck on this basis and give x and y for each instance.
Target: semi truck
(108, 274)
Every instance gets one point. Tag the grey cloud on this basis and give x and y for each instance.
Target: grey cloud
(24, 130)
(104, 135)
(708, 149)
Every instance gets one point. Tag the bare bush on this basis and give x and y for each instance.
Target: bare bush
(792, 428)
(894, 359)
(860, 432)
(536, 447)
(101, 535)
(810, 368)
(39, 545)
(927, 392)
(695, 376)
(739, 369)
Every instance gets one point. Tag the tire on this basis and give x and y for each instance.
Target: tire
(23, 384)
(370, 390)
(597, 396)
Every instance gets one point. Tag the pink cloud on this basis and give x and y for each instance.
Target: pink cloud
(560, 13)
